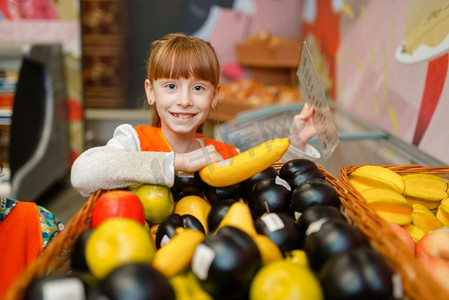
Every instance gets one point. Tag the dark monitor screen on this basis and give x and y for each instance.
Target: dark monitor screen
(28, 113)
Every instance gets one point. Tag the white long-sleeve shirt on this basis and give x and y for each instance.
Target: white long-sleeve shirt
(121, 163)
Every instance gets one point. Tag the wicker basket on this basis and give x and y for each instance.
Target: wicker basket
(417, 282)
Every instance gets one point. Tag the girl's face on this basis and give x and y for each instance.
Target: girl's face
(182, 104)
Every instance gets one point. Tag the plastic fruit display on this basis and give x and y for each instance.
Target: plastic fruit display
(136, 281)
(239, 216)
(282, 229)
(187, 184)
(167, 228)
(372, 176)
(187, 287)
(218, 212)
(225, 263)
(117, 203)
(269, 251)
(269, 196)
(298, 257)
(438, 269)
(195, 206)
(115, 242)
(435, 244)
(389, 204)
(284, 280)
(314, 192)
(424, 218)
(316, 213)
(247, 185)
(426, 189)
(157, 201)
(58, 286)
(415, 232)
(404, 236)
(331, 238)
(297, 171)
(177, 254)
(360, 273)
(415, 201)
(215, 194)
(246, 164)
(443, 212)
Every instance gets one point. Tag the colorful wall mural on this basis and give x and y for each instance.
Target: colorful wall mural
(364, 66)
(45, 21)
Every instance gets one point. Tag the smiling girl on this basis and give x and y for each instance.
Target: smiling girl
(182, 86)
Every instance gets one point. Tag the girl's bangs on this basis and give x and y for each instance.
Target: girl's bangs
(186, 64)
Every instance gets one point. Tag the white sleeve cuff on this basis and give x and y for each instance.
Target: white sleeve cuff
(309, 153)
(169, 169)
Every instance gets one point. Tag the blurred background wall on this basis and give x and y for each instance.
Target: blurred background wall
(357, 45)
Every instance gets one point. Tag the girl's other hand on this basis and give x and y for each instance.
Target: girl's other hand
(302, 128)
(197, 159)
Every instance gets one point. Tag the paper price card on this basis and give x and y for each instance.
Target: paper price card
(312, 90)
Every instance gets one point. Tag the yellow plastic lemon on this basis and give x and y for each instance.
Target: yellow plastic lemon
(285, 280)
(157, 201)
(115, 242)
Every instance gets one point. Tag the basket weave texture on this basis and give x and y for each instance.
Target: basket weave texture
(417, 281)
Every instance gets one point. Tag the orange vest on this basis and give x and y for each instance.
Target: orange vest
(152, 139)
(20, 242)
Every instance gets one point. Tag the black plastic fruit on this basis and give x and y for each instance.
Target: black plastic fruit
(313, 192)
(217, 213)
(60, 286)
(268, 196)
(167, 227)
(361, 273)
(282, 229)
(136, 281)
(316, 213)
(297, 171)
(215, 194)
(225, 263)
(331, 238)
(187, 184)
(247, 185)
(77, 256)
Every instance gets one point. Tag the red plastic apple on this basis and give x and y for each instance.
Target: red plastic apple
(119, 203)
(434, 243)
(438, 268)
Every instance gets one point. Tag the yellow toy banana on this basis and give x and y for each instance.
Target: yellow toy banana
(239, 216)
(177, 254)
(187, 287)
(245, 164)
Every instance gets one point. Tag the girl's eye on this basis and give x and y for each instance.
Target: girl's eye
(171, 86)
(198, 88)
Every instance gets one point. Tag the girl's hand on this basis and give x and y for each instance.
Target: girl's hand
(197, 159)
(302, 128)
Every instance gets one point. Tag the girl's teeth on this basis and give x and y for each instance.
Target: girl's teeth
(183, 116)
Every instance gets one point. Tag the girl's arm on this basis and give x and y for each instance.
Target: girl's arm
(120, 164)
